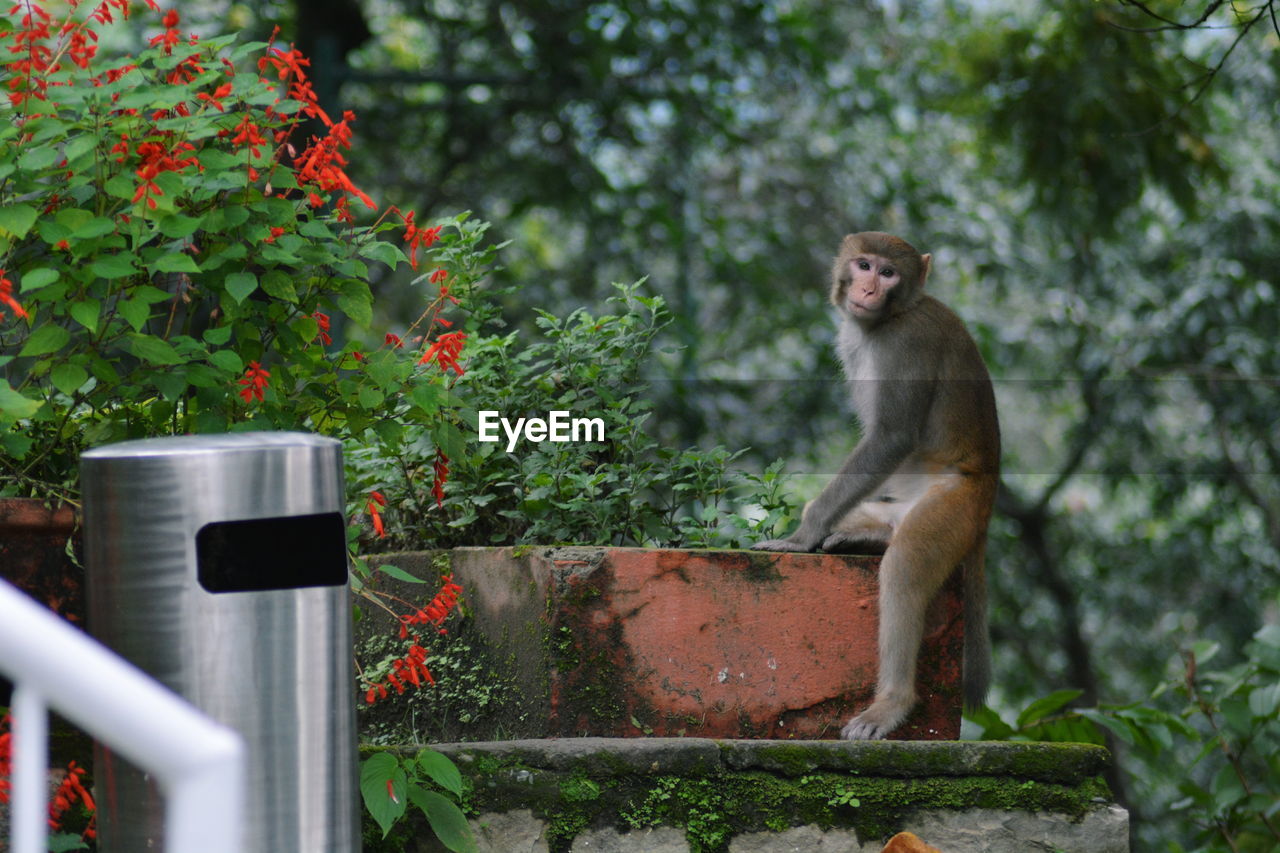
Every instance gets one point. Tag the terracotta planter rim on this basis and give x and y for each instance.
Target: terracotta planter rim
(25, 514)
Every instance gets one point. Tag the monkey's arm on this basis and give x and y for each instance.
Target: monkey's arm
(901, 410)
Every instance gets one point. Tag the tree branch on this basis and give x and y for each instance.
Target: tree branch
(1169, 23)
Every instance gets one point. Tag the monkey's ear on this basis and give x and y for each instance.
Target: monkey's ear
(926, 261)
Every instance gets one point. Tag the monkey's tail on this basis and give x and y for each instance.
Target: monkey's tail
(977, 643)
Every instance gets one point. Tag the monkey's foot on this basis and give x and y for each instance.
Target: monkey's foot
(780, 545)
(848, 543)
(877, 721)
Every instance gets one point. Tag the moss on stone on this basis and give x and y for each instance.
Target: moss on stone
(711, 802)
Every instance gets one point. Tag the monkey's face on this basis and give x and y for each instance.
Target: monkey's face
(868, 282)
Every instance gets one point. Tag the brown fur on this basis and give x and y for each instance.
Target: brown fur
(922, 481)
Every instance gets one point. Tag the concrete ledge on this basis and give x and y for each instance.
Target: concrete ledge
(630, 642)
(697, 794)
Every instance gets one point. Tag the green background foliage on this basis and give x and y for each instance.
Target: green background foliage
(1099, 193)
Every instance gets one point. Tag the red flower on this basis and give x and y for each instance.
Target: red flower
(445, 351)
(415, 237)
(440, 476)
(69, 791)
(249, 134)
(170, 36)
(439, 276)
(394, 341)
(157, 158)
(253, 382)
(376, 500)
(215, 99)
(322, 320)
(321, 165)
(6, 297)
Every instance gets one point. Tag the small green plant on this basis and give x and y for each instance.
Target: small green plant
(389, 783)
(844, 798)
(1220, 739)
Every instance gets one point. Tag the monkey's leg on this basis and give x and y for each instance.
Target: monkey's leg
(934, 537)
(866, 529)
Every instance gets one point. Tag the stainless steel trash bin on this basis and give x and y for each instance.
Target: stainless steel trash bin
(218, 564)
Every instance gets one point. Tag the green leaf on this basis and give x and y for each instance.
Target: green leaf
(40, 157)
(384, 252)
(14, 406)
(278, 284)
(120, 186)
(315, 229)
(79, 146)
(38, 278)
(65, 842)
(441, 770)
(16, 220)
(97, 226)
(177, 226)
(86, 313)
(135, 311)
(153, 350)
(450, 440)
(46, 339)
(217, 336)
(176, 262)
(1265, 701)
(356, 301)
(171, 384)
(1042, 708)
(305, 328)
(113, 266)
(240, 285)
(212, 158)
(399, 574)
(68, 378)
(369, 397)
(375, 772)
(993, 728)
(228, 360)
(1268, 635)
(427, 396)
(1121, 728)
(446, 819)
(150, 295)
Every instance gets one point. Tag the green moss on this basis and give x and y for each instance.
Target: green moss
(761, 567)
(707, 808)
(579, 789)
(711, 802)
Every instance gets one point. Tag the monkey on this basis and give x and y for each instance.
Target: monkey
(921, 481)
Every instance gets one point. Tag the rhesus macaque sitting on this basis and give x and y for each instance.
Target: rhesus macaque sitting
(921, 482)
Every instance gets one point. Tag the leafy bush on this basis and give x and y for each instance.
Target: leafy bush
(1222, 743)
(174, 254)
(628, 489)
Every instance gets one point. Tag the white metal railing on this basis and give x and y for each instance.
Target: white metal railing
(199, 764)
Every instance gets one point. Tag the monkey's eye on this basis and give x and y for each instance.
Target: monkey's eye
(888, 272)
(864, 265)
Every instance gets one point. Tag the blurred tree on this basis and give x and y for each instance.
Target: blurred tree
(1097, 185)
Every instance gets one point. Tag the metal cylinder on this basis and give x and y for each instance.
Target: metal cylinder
(218, 564)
